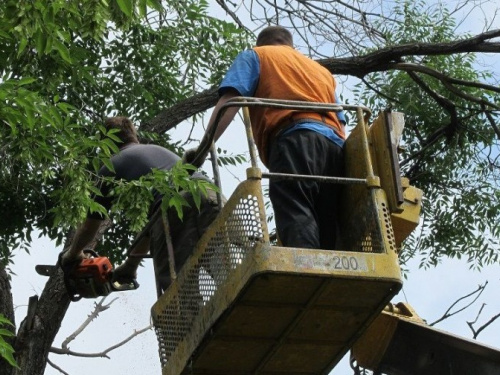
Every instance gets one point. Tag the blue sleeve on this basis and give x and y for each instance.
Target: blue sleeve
(243, 75)
(341, 114)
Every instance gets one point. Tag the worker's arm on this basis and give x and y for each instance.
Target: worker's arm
(222, 124)
(241, 79)
(136, 255)
(228, 115)
(127, 271)
(84, 236)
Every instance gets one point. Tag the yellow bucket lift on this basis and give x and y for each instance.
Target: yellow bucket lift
(399, 342)
(268, 309)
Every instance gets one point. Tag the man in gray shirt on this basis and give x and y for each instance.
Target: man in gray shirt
(133, 161)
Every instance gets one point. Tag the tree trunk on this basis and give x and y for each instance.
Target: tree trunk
(45, 314)
(7, 310)
(39, 329)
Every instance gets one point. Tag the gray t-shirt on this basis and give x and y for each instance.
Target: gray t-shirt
(134, 161)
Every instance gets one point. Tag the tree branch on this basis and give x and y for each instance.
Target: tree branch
(171, 117)
(492, 122)
(99, 307)
(233, 15)
(358, 66)
(56, 367)
(475, 332)
(382, 59)
(449, 82)
(104, 353)
(448, 314)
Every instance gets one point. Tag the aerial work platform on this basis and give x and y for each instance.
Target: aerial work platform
(243, 305)
(399, 342)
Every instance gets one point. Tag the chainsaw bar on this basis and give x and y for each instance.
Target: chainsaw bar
(92, 278)
(45, 269)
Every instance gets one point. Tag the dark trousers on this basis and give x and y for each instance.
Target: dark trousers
(185, 234)
(305, 211)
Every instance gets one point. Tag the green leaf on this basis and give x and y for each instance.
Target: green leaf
(108, 164)
(156, 5)
(22, 45)
(96, 164)
(142, 7)
(26, 81)
(5, 332)
(6, 349)
(4, 35)
(4, 320)
(62, 50)
(6, 352)
(41, 42)
(126, 6)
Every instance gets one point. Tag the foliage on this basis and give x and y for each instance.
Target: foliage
(6, 350)
(131, 208)
(64, 67)
(461, 217)
(225, 159)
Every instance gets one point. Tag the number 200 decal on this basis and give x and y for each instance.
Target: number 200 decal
(334, 263)
(345, 263)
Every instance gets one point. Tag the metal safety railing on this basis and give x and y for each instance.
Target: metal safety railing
(207, 146)
(362, 113)
(238, 242)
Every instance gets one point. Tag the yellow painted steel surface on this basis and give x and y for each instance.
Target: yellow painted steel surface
(242, 306)
(399, 342)
(268, 309)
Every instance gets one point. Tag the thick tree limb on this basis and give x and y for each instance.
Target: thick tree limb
(38, 330)
(181, 111)
(384, 59)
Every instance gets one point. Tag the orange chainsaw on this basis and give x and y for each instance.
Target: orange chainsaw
(91, 278)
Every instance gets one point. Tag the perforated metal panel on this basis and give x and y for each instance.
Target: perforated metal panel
(226, 244)
(232, 301)
(240, 305)
(365, 219)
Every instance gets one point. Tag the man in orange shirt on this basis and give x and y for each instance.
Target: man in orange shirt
(289, 141)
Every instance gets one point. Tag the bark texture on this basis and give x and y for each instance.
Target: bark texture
(7, 310)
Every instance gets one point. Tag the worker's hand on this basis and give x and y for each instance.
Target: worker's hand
(69, 260)
(189, 155)
(125, 273)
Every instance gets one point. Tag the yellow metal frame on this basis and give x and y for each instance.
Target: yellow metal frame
(214, 318)
(400, 342)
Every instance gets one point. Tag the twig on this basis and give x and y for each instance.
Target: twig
(232, 14)
(56, 367)
(447, 314)
(475, 332)
(491, 121)
(104, 353)
(99, 307)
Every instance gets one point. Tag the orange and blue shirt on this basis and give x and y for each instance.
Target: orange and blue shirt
(289, 75)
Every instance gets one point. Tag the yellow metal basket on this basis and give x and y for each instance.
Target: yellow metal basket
(243, 306)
